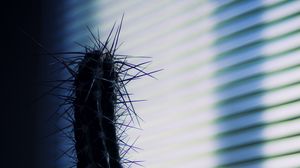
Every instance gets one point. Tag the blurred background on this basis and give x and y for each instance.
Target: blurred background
(229, 92)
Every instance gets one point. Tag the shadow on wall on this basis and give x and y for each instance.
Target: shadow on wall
(239, 79)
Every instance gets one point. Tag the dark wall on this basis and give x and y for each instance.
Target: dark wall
(19, 62)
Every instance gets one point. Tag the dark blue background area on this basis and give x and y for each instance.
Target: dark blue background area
(18, 73)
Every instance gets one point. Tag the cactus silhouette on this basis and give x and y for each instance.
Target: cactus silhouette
(97, 104)
(95, 98)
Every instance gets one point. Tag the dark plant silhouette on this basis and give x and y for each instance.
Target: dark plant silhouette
(97, 103)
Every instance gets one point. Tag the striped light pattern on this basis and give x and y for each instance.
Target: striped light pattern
(229, 92)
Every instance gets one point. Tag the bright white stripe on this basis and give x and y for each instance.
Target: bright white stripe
(267, 150)
(290, 161)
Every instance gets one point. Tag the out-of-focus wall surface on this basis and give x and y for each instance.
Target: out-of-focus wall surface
(229, 92)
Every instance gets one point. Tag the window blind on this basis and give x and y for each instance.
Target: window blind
(258, 91)
(229, 92)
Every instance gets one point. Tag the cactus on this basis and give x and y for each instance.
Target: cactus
(97, 104)
(94, 104)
